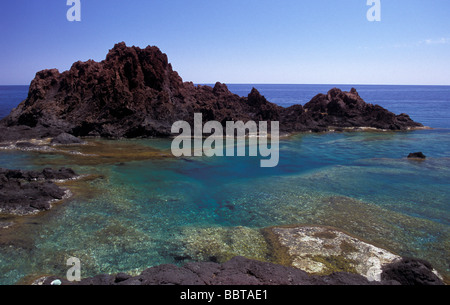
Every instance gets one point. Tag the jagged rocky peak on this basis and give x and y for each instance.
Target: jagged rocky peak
(337, 98)
(220, 88)
(147, 67)
(255, 98)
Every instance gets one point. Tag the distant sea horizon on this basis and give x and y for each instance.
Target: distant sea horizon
(275, 83)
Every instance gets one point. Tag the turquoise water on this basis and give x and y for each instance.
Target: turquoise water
(140, 213)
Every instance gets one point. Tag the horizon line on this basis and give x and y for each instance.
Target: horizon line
(293, 84)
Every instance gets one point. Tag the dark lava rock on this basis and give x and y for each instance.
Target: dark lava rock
(411, 271)
(243, 271)
(25, 145)
(61, 174)
(65, 139)
(237, 271)
(135, 92)
(25, 192)
(21, 132)
(417, 155)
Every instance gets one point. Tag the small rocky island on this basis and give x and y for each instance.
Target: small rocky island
(135, 92)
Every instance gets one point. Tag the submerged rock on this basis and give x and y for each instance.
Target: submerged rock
(220, 244)
(135, 92)
(324, 250)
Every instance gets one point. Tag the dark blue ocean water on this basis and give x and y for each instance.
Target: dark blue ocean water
(10, 97)
(148, 212)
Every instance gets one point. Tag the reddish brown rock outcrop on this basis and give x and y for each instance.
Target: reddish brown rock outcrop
(135, 92)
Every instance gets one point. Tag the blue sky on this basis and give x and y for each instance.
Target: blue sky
(245, 41)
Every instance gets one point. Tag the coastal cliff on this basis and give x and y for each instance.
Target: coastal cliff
(135, 92)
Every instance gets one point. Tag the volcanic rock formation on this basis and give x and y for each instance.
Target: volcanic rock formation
(135, 92)
(27, 192)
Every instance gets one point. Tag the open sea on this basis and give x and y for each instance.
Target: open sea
(138, 212)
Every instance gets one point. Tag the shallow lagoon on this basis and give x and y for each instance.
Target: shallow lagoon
(141, 207)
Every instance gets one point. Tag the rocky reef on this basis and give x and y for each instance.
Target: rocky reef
(135, 92)
(28, 192)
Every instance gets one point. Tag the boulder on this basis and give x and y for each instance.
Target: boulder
(410, 271)
(65, 139)
(416, 155)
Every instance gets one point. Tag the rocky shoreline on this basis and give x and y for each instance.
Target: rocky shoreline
(242, 271)
(29, 192)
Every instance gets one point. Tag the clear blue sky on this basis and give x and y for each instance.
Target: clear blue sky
(238, 41)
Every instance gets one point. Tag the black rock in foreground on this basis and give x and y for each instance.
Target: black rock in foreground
(27, 192)
(135, 93)
(243, 271)
(411, 271)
